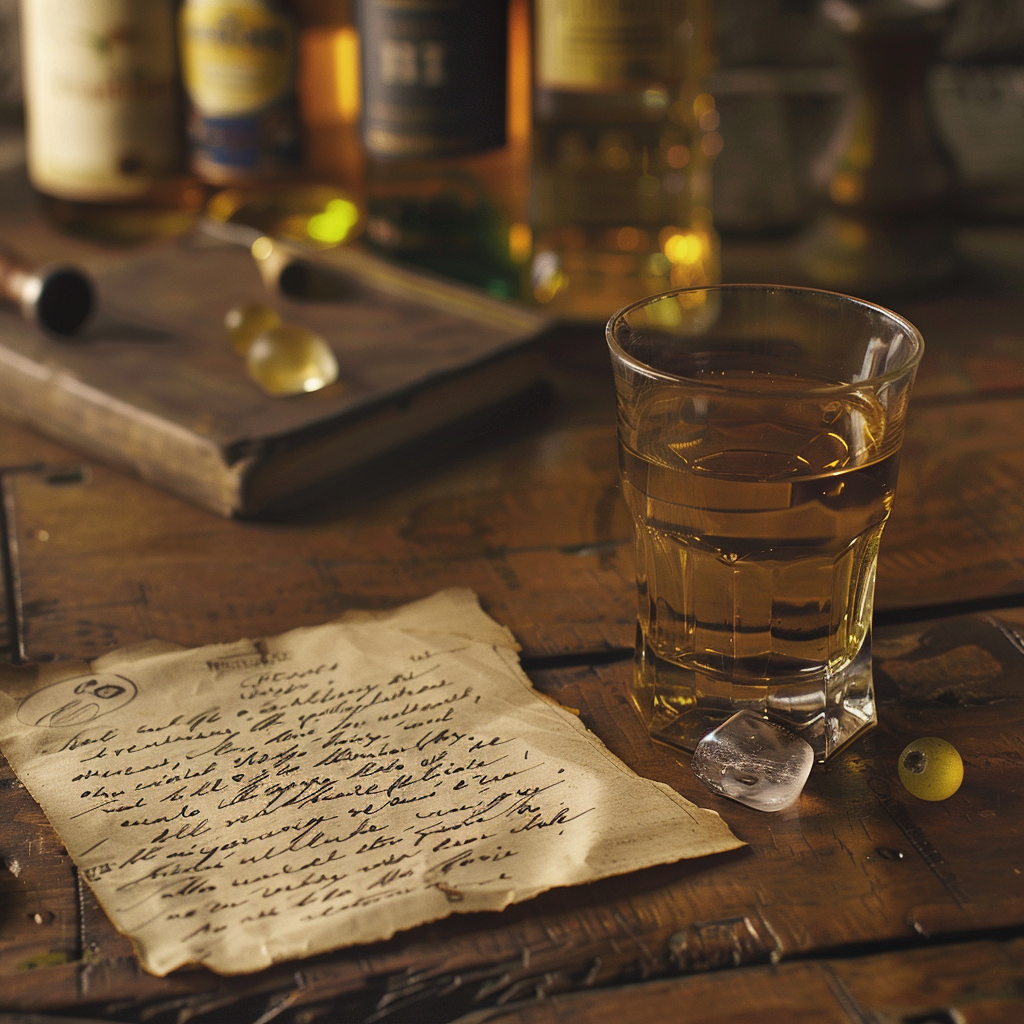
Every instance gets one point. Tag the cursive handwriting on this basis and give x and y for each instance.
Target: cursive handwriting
(300, 792)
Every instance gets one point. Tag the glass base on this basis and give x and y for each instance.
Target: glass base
(680, 705)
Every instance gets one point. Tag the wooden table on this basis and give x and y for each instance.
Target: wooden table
(857, 905)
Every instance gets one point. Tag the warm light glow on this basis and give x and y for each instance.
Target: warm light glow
(346, 56)
(711, 144)
(628, 239)
(703, 104)
(677, 156)
(520, 242)
(545, 291)
(709, 120)
(548, 277)
(329, 75)
(655, 98)
(846, 188)
(334, 224)
(262, 248)
(224, 203)
(519, 84)
(687, 248)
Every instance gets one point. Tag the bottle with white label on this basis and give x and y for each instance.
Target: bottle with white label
(441, 170)
(623, 140)
(103, 116)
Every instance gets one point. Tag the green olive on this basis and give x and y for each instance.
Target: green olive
(931, 769)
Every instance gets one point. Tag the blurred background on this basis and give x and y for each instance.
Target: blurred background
(774, 94)
(783, 84)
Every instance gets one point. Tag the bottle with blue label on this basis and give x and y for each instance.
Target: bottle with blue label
(239, 69)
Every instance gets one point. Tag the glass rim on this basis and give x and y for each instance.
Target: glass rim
(828, 389)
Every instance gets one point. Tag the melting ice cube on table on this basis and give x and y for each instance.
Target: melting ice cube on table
(753, 761)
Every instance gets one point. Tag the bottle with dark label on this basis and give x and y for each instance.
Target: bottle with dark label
(103, 117)
(623, 139)
(441, 176)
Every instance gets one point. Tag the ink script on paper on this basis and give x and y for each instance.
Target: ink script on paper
(243, 804)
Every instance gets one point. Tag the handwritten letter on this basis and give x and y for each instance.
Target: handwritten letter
(242, 804)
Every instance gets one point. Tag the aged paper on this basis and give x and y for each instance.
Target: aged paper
(242, 804)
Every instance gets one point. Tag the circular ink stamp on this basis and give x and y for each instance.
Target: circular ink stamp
(77, 701)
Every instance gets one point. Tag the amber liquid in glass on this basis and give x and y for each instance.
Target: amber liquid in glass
(757, 525)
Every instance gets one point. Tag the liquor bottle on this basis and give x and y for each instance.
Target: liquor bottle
(328, 89)
(239, 66)
(623, 138)
(442, 185)
(103, 125)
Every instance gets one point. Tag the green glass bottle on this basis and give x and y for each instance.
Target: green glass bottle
(439, 174)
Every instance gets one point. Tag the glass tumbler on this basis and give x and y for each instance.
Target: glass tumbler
(759, 442)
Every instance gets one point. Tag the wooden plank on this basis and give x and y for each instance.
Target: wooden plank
(955, 532)
(106, 561)
(974, 342)
(527, 514)
(536, 526)
(977, 983)
(152, 383)
(857, 861)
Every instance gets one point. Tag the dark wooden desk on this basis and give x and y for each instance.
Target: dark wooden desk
(858, 905)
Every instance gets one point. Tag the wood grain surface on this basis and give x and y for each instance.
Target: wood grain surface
(532, 519)
(855, 864)
(979, 983)
(118, 562)
(857, 882)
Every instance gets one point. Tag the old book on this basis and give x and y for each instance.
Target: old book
(153, 385)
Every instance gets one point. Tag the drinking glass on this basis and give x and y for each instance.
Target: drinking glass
(759, 440)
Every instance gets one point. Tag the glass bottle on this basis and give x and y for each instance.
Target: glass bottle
(102, 112)
(445, 181)
(239, 67)
(328, 87)
(623, 139)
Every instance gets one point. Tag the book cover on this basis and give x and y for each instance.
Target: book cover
(153, 384)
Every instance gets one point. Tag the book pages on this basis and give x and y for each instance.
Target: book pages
(242, 804)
